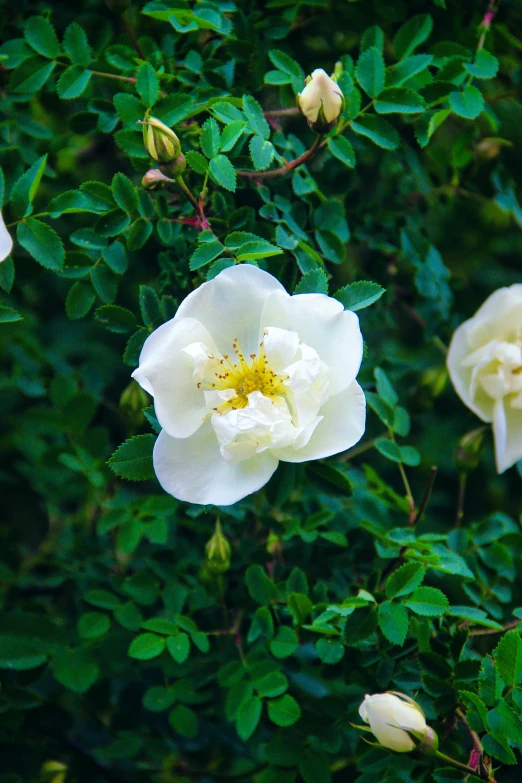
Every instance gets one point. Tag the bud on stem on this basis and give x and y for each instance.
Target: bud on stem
(160, 141)
(217, 552)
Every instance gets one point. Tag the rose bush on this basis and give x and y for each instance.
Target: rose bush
(205, 567)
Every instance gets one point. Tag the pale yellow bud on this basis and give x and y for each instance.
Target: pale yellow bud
(160, 141)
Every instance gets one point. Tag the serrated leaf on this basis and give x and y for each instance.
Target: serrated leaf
(73, 82)
(255, 116)
(508, 658)
(26, 187)
(284, 711)
(284, 643)
(399, 73)
(210, 138)
(260, 586)
(393, 621)
(80, 299)
(138, 233)
(179, 647)
(40, 35)
(412, 33)
(133, 459)
(259, 248)
(358, 295)
(484, 67)
(261, 151)
(468, 103)
(92, 625)
(75, 669)
(184, 721)
(314, 282)
(399, 100)
(204, 254)
(196, 161)
(428, 602)
(124, 193)
(248, 717)
(377, 130)
(405, 580)
(330, 651)
(222, 172)
(41, 242)
(231, 133)
(76, 45)
(370, 71)
(147, 84)
(147, 645)
(31, 75)
(342, 150)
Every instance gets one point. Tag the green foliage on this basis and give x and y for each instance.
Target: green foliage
(123, 657)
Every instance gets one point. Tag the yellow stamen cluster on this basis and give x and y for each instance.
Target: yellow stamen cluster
(245, 377)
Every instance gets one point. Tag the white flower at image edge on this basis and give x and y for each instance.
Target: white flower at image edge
(6, 242)
(485, 366)
(246, 375)
(391, 718)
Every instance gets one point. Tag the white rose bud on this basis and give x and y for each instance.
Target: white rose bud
(398, 723)
(160, 141)
(321, 101)
(6, 242)
(485, 367)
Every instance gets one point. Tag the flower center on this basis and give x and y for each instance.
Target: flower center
(244, 377)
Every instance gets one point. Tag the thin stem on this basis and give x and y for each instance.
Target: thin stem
(491, 631)
(409, 494)
(281, 112)
(463, 480)
(132, 35)
(477, 744)
(427, 494)
(455, 763)
(288, 166)
(361, 448)
(186, 190)
(129, 79)
(16, 222)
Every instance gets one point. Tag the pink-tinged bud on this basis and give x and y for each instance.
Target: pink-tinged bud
(174, 168)
(154, 179)
(321, 101)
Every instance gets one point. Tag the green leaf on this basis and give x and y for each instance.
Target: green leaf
(272, 684)
(406, 454)
(508, 658)
(284, 643)
(133, 459)
(428, 602)
(284, 711)
(402, 71)
(9, 316)
(73, 82)
(370, 71)
(231, 133)
(222, 172)
(333, 476)
(112, 223)
(76, 45)
(124, 193)
(385, 387)
(26, 187)
(399, 100)
(393, 622)
(80, 299)
(314, 767)
(405, 580)
(255, 117)
(115, 257)
(42, 243)
(259, 248)
(412, 33)
(105, 283)
(76, 669)
(314, 282)
(130, 108)
(261, 151)
(484, 67)
(330, 651)
(499, 750)
(288, 68)
(260, 586)
(362, 293)
(147, 84)
(377, 130)
(360, 625)
(157, 698)
(196, 161)
(31, 75)
(504, 724)
(372, 36)
(138, 233)
(179, 647)
(93, 625)
(150, 306)
(342, 150)
(102, 599)
(184, 721)
(468, 103)
(26, 640)
(147, 645)
(248, 717)
(210, 138)
(204, 254)
(40, 35)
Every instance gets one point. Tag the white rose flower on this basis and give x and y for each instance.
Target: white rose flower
(391, 718)
(485, 366)
(246, 375)
(6, 242)
(321, 92)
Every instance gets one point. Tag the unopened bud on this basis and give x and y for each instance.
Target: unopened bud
(132, 402)
(321, 101)
(217, 552)
(174, 168)
(154, 179)
(429, 743)
(53, 772)
(274, 545)
(467, 455)
(160, 141)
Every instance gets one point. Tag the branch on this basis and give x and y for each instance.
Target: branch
(427, 494)
(132, 35)
(491, 631)
(287, 167)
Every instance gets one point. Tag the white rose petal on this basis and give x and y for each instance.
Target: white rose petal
(321, 91)
(485, 366)
(6, 242)
(390, 718)
(246, 375)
